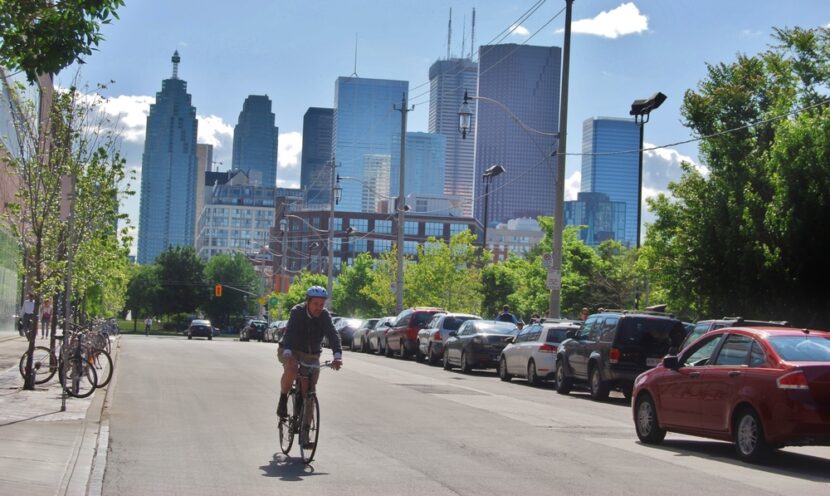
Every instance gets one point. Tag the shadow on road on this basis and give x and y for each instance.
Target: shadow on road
(288, 468)
(780, 462)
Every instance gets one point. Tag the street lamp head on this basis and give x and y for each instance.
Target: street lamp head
(644, 107)
(493, 171)
(465, 116)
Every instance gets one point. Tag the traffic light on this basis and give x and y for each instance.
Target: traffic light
(217, 291)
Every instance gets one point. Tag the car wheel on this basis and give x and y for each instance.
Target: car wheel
(210, 338)
(599, 388)
(419, 356)
(465, 365)
(749, 436)
(645, 421)
(503, 375)
(365, 346)
(402, 352)
(387, 351)
(562, 382)
(189, 336)
(532, 376)
(432, 358)
(447, 365)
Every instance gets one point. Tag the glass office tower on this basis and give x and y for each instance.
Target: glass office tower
(364, 124)
(424, 166)
(524, 81)
(255, 141)
(315, 176)
(168, 171)
(615, 174)
(604, 219)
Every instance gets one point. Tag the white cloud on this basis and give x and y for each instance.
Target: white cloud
(130, 113)
(214, 131)
(519, 30)
(286, 183)
(748, 33)
(290, 148)
(623, 20)
(573, 185)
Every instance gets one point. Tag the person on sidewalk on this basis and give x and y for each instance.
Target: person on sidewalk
(28, 312)
(506, 316)
(46, 320)
(148, 324)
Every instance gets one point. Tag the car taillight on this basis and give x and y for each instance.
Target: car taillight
(793, 380)
(437, 336)
(614, 355)
(547, 348)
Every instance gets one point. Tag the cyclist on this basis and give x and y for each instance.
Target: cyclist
(303, 338)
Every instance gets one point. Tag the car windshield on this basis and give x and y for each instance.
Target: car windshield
(421, 319)
(505, 328)
(557, 335)
(656, 336)
(453, 323)
(259, 325)
(802, 348)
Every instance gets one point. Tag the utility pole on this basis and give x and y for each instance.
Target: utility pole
(404, 109)
(333, 199)
(555, 273)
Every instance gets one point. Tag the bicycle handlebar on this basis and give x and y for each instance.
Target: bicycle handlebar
(326, 364)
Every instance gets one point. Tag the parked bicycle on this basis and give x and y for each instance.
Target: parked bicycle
(303, 420)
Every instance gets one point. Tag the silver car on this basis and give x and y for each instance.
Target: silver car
(532, 354)
(360, 341)
(377, 336)
(432, 338)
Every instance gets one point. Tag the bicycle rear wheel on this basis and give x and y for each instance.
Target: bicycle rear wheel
(308, 437)
(44, 364)
(78, 377)
(288, 426)
(102, 361)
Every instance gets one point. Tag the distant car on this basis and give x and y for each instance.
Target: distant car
(702, 327)
(402, 337)
(200, 328)
(254, 329)
(346, 329)
(760, 387)
(477, 344)
(431, 339)
(532, 354)
(377, 336)
(360, 341)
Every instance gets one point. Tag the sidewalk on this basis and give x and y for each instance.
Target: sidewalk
(42, 449)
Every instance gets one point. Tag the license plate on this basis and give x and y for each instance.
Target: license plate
(653, 362)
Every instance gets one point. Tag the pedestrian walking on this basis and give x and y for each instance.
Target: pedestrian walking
(148, 324)
(46, 320)
(28, 312)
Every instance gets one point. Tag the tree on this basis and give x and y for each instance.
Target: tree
(498, 282)
(182, 280)
(143, 292)
(350, 296)
(747, 235)
(381, 289)
(236, 274)
(44, 36)
(304, 280)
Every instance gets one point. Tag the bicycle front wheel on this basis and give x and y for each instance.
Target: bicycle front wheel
(44, 364)
(78, 377)
(310, 430)
(287, 427)
(102, 361)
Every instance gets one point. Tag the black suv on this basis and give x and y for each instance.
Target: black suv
(612, 348)
(701, 327)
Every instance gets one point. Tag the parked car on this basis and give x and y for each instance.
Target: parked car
(477, 344)
(200, 328)
(346, 328)
(701, 327)
(532, 354)
(253, 329)
(402, 337)
(760, 387)
(377, 336)
(431, 339)
(611, 349)
(360, 341)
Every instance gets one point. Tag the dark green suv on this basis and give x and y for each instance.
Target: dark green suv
(612, 348)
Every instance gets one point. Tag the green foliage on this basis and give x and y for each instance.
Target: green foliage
(304, 280)
(143, 292)
(182, 283)
(498, 282)
(44, 36)
(232, 271)
(349, 297)
(379, 290)
(748, 238)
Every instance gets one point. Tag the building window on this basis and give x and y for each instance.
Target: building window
(338, 223)
(382, 245)
(357, 245)
(410, 247)
(359, 225)
(383, 226)
(457, 228)
(434, 229)
(410, 228)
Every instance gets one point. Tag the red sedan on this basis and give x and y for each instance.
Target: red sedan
(762, 388)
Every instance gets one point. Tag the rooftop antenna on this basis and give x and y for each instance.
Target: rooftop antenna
(449, 35)
(354, 74)
(176, 59)
(473, 35)
(463, 36)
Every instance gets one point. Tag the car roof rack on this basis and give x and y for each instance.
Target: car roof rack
(738, 319)
(628, 311)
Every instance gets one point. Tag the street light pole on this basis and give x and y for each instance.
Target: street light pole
(404, 109)
(488, 176)
(555, 274)
(283, 264)
(641, 110)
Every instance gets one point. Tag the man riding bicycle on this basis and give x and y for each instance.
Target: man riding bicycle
(307, 324)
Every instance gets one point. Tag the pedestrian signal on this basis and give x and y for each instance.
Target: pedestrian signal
(217, 290)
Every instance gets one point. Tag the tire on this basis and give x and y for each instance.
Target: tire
(419, 357)
(465, 366)
(365, 346)
(189, 336)
(44, 363)
(599, 388)
(387, 351)
(563, 383)
(645, 421)
(748, 432)
(285, 427)
(307, 453)
(532, 376)
(432, 358)
(78, 378)
(503, 375)
(402, 353)
(210, 338)
(447, 365)
(102, 361)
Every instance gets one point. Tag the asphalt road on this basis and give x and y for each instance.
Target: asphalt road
(197, 417)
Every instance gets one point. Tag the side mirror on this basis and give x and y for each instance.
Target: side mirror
(453, 334)
(671, 362)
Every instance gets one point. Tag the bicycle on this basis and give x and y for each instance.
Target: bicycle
(303, 414)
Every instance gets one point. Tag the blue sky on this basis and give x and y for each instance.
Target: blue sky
(294, 50)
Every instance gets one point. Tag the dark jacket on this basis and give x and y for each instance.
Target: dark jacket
(507, 317)
(305, 334)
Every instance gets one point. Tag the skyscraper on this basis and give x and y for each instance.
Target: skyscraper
(524, 81)
(315, 176)
(255, 140)
(364, 124)
(376, 169)
(424, 166)
(168, 171)
(614, 174)
(448, 80)
(604, 219)
(204, 164)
